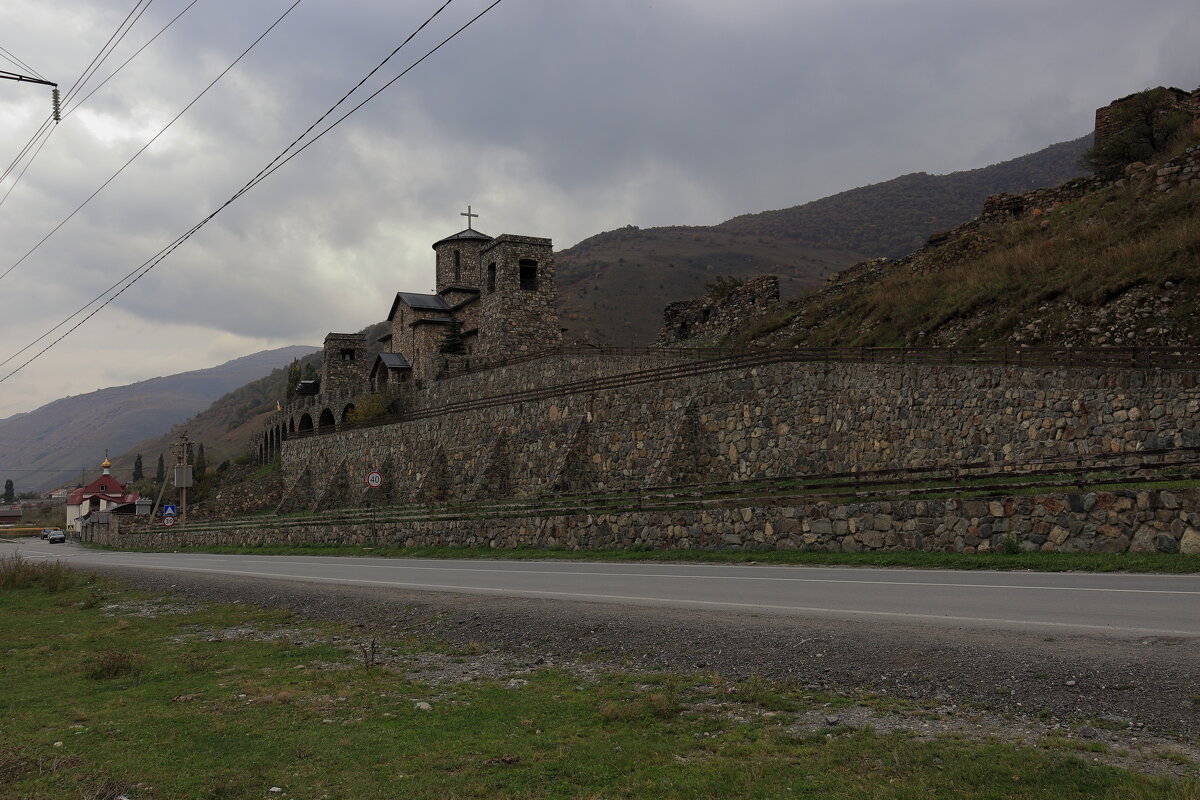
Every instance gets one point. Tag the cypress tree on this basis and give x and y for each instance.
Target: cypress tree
(160, 474)
(453, 343)
(137, 469)
(293, 377)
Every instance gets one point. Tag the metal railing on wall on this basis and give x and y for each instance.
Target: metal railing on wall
(1143, 469)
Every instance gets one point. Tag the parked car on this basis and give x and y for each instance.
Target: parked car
(46, 532)
(56, 537)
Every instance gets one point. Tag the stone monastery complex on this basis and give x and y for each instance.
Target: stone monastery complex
(499, 292)
(509, 438)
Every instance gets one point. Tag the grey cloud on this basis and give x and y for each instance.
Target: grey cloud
(562, 118)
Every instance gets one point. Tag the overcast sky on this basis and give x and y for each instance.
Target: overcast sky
(557, 118)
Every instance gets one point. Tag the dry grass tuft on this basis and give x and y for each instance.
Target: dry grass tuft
(115, 663)
(17, 572)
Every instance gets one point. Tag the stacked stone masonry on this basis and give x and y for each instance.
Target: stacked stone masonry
(766, 422)
(1100, 522)
(708, 318)
(744, 424)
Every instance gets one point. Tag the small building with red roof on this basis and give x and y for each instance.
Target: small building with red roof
(106, 493)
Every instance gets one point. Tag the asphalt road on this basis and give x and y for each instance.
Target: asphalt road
(1120, 605)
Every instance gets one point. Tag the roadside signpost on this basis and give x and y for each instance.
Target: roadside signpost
(168, 510)
(374, 479)
(168, 521)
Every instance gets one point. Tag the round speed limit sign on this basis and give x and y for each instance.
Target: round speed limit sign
(168, 521)
(374, 479)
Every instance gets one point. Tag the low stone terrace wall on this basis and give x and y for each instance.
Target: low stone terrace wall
(1151, 521)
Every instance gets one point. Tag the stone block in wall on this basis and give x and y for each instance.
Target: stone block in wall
(299, 495)
(434, 485)
(337, 491)
(570, 472)
(493, 480)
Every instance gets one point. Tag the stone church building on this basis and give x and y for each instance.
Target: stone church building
(500, 292)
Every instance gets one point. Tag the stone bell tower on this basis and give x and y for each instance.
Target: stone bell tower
(519, 297)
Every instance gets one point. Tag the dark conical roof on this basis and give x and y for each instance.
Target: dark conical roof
(469, 233)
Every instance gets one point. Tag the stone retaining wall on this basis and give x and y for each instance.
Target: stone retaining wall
(750, 423)
(1103, 522)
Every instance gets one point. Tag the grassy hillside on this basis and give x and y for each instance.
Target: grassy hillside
(228, 426)
(614, 285)
(1118, 265)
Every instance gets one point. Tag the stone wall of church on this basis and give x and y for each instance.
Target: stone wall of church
(461, 269)
(748, 423)
(516, 320)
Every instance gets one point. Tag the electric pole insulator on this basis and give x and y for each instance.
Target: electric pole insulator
(54, 100)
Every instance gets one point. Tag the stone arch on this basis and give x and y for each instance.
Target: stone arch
(306, 423)
(327, 422)
(346, 412)
(291, 425)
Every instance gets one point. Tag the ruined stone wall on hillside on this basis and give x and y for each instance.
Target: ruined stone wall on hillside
(750, 423)
(709, 318)
(1173, 100)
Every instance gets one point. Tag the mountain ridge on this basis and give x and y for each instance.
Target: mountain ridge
(802, 244)
(44, 447)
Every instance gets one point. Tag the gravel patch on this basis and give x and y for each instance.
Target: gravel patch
(1132, 699)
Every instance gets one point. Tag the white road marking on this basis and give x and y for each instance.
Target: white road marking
(706, 603)
(284, 560)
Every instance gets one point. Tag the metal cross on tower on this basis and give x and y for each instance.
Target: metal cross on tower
(468, 215)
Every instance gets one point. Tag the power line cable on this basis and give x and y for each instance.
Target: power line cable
(266, 173)
(100, 57)
(153, 139)
(46, 125)
(113, 40)
(27, 165)
(8, 56)
(28, 146)
(155, 260)
(138, 52)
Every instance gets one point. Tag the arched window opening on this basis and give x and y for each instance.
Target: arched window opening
(327, 421)
(306, 423)
(291, 426)
(457, 267)
(528, 271)
(347, 353)
(346, 411)
(491, 278)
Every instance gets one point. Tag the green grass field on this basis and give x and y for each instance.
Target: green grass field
(110, 692)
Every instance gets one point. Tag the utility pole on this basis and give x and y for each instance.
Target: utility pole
(183, 473)
(55, 108)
